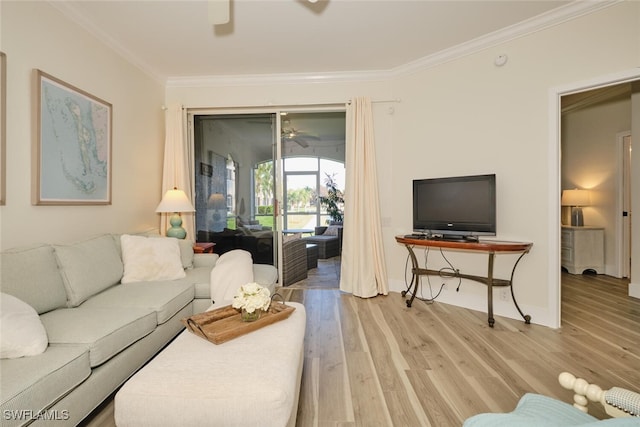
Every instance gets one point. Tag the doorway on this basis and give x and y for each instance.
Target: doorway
(555, 182)
(249, 182)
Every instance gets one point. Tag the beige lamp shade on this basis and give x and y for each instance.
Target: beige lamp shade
(175, 201)
(576, 198)
(217, 201)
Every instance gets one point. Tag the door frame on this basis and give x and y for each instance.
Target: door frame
(623, 248)
(192, 112)
(554, 178)
(279, 173)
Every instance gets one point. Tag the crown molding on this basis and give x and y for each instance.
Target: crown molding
(71, 12)
(282, 78)
(541, 22)
(549, 19)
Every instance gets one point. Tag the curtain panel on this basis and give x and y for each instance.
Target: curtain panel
(363, 271)
(176, 171)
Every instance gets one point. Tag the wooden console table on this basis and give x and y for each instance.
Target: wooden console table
(490, 247)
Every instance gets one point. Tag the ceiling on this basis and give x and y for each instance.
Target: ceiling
(174, 39)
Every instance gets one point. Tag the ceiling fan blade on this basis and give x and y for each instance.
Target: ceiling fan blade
(291, 137)
(219, 11)
(301, 142)
(309, 136)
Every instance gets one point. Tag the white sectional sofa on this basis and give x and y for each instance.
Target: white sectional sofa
(99, 330)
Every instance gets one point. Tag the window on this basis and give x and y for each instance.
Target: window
(304, 182)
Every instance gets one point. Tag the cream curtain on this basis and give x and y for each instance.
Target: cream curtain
(363, 271)
(176, 171)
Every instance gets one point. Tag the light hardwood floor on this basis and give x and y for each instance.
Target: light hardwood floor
(375, 362)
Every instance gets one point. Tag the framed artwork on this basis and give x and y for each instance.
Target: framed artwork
(206, 170)
(72, 147)
(3, 127)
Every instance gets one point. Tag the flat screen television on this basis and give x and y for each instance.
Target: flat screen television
(455, 208)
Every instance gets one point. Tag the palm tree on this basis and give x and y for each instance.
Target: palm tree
(264, 181)
(334, 201)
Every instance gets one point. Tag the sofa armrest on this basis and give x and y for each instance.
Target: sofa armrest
(205, 260)
(617, 401)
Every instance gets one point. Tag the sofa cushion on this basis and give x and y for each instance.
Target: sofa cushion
(205, 260)
(186, 252)
(21, 331)
(163, 298)
(150, 258)
(31, 274)
(186, 246)
(200, 278)
(233, 269)
(265, 275)
(104, 331)
(88, 267)
(35, 383)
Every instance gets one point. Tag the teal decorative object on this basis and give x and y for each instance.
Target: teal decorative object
(176, 230)
(175, 201)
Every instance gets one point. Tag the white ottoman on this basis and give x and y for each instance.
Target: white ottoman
(252, 380)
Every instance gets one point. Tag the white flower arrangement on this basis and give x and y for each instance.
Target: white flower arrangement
(252, 297)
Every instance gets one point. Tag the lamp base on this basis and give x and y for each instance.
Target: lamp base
(176, 229)
(576, 217)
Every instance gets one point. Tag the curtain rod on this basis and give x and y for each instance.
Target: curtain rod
(381, 101)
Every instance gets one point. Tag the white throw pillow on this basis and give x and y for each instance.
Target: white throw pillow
(150, 259)
(21, 331)
(232, 270)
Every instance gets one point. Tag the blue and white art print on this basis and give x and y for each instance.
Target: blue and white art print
(74, 147)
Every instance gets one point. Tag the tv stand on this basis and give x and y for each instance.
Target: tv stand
(490, 247)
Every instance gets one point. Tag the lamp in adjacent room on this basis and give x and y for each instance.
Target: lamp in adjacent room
(576, 199)
(217, 208)
(175, 201)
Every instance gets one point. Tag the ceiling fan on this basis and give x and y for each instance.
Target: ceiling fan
(289, 133)
(219, 11)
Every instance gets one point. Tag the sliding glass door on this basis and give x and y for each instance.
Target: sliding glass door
(259, 173)
(235, 182)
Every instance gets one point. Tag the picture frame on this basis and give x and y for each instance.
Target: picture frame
(72, 145)
(206, 169)
(3, 127)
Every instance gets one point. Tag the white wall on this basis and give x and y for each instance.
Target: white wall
(590, 154)
(35, 35)
(468, 116)
(462, 117)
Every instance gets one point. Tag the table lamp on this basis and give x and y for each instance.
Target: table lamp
(175, 201)
(217, 211)
(576, 199)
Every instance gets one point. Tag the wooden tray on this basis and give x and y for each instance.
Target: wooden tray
(224, 323)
